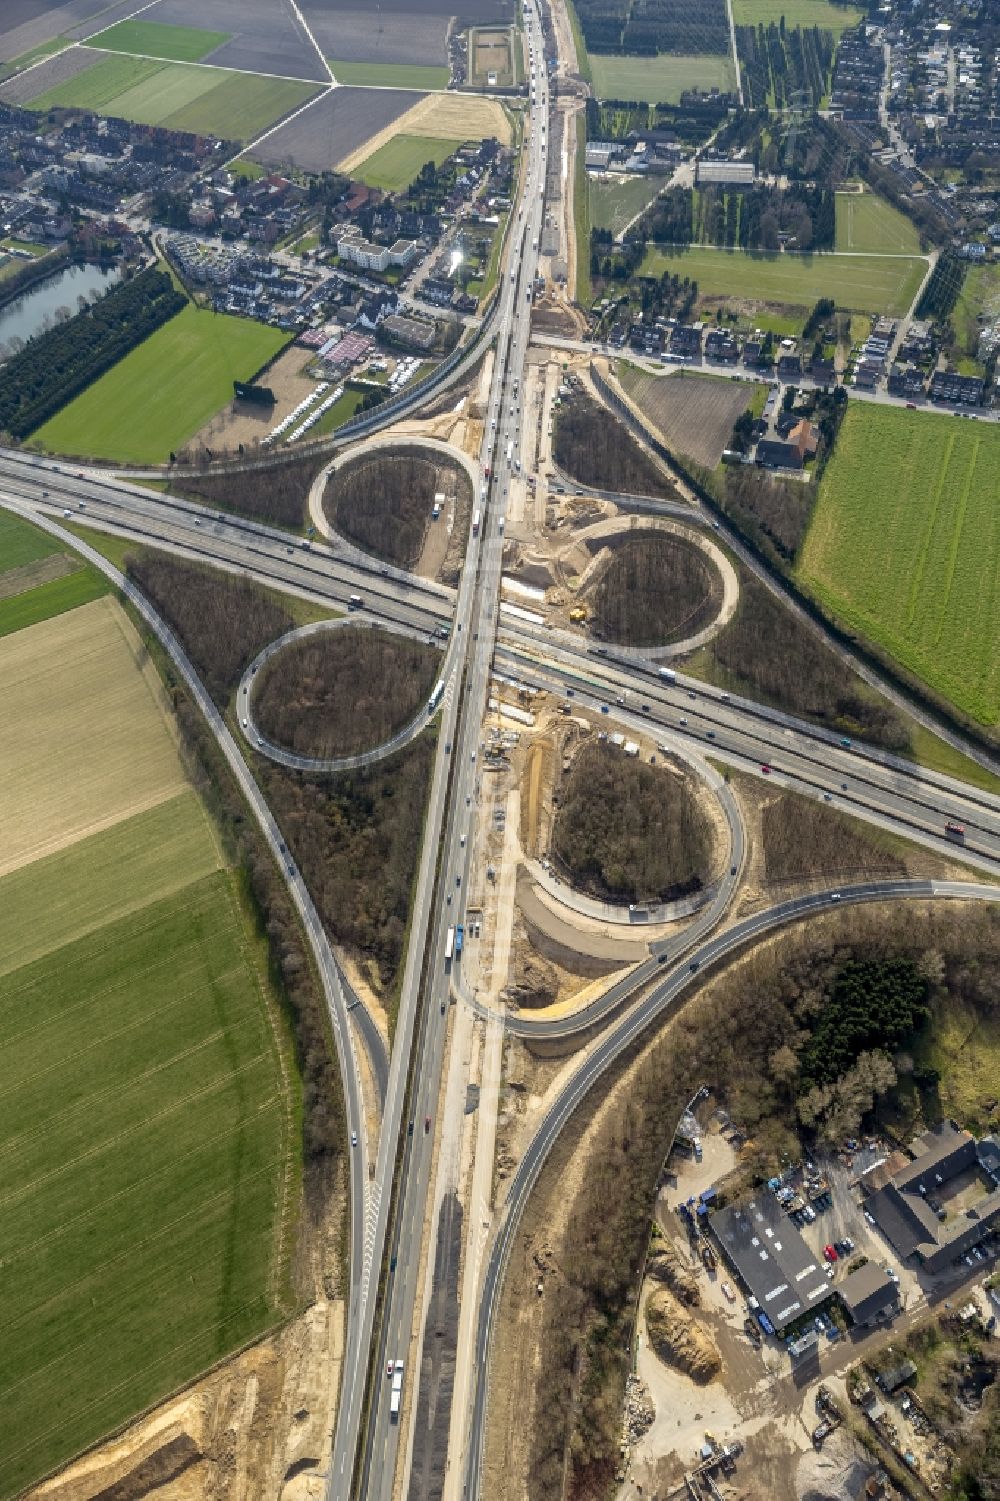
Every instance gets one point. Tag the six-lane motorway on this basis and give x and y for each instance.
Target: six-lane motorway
(389, 1195)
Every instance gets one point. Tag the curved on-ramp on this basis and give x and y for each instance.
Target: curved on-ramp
(327, 765)
(368, 448)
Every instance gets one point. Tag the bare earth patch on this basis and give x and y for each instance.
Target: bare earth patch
(461, 116)
(245, 422)
(694, 414)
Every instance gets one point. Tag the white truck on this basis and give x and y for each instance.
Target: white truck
(668, 674)
(397, 1391)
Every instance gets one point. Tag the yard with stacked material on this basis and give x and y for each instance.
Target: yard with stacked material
(149, 1138)
(862, 283)
(867, 222)
(180, 96)
(693, 414)
(158, 396)
(904, 546)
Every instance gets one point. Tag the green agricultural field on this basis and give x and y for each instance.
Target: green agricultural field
(182, 44)
(395, 165)
(36, 54)
(661, 79)
(160, 394)
(819, 13)
(211, 101)
(147, 1149)
(391, 75)
(615, 201)
(103, 878)
(867, 222)
(21, 543)
(863, 283)
(904, 546)
(53, 598)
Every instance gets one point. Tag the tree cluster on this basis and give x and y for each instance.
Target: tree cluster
(275, 492)
(343, 691)
(356, 839)
(942, 290)
(222, 620)
(652, 26)
(324, 1129)
(790, 67)
(596, 448)
(627, 832)
(745, 1037)
(58, 365)
(766, 650)
(759, 218)
(384, 502)
(654, 590)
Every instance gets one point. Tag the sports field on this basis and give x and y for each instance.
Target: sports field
(396, 164)
(796, 13)
(863, 283)
(867, 222)
(159, 395)
(235, 106)
(661, 79)
(391, 75)
(148, 1112)
(182, 44)
(904, 546)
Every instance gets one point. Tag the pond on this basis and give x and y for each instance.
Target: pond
(26, 315)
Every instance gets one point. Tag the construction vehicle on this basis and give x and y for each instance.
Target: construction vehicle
(578, 614)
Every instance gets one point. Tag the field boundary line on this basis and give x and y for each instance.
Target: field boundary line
(250, 146)
(316, 47)
(184, 62)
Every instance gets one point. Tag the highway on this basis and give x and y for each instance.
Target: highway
(439, 905)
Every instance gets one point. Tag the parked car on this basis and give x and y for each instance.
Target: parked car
(829, 1253)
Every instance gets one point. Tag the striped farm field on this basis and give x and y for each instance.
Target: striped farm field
(235, 106)
(904, 546)
(149, 1103)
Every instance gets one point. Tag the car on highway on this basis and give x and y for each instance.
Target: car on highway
(765, 768)
(354, 1138)
(427, 1123)
(66, 511)
(245, 724)
(835, 896)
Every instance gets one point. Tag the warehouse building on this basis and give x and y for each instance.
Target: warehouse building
(941, 1203)
(735, 174)
(869, 1295)
(771, 1259)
